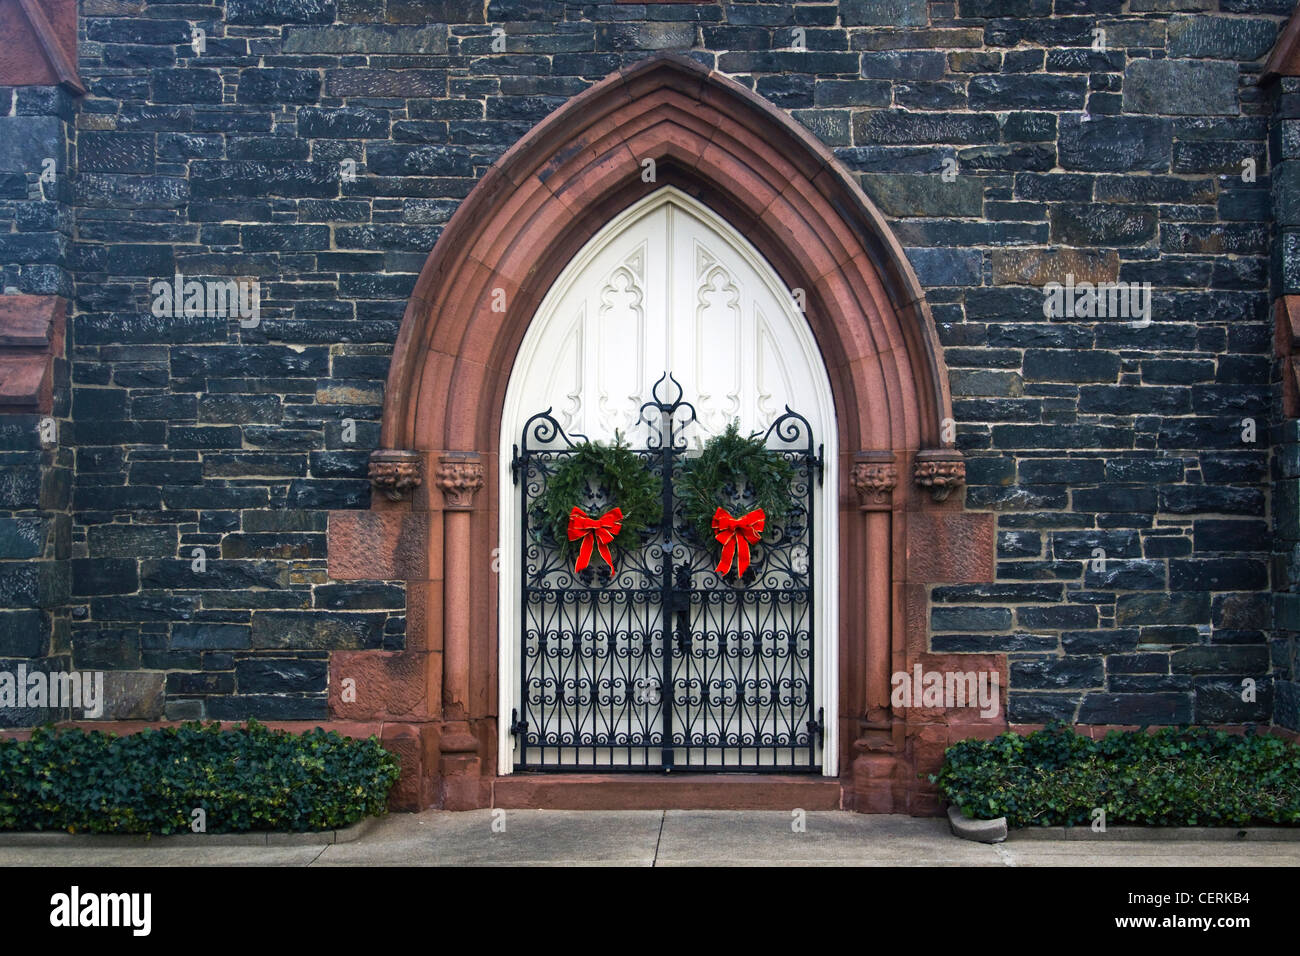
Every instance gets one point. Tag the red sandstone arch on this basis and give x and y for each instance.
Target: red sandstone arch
(713, 139)
(782, 189)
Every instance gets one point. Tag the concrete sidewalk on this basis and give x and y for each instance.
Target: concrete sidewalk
(668, 838)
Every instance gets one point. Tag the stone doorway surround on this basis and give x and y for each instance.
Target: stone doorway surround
(433, 520)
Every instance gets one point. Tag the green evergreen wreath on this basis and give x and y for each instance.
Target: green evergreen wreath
(726, 458)
(616, 468)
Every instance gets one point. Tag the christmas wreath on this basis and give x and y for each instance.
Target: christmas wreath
(732, 467)
(634, 494)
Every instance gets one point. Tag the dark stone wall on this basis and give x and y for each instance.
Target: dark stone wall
(1284, 143)
(1286, 636)
(1006, 151)
(35, 458)
(35, 544)
(35, 220)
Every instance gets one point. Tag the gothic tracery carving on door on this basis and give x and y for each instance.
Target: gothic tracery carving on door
(667, 285)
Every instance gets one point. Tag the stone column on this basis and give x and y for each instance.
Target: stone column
(460, 475)
(874, 477)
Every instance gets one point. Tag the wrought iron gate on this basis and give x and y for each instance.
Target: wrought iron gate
(666, 663)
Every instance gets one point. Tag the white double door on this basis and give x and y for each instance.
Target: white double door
(668, 286)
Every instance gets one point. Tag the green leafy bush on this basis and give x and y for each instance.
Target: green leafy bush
(246, 778)
(1172, 777)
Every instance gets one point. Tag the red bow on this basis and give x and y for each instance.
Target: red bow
(736, 535)
(597, 532)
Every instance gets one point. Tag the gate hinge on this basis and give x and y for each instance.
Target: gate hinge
(821, 464)
(514, 466)
(818, 727)
(517, 726)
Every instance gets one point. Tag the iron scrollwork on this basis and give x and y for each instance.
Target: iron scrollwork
(665, 663)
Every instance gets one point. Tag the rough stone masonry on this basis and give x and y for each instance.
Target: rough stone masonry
(173, 534)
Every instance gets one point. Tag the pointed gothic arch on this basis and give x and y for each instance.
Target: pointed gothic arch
(735, 152)
(726, 147)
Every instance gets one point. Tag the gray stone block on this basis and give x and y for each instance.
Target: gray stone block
(1224, 38)
(27, 141)
(22, 537)
(1180, 87)
(23, 633)
(1115, 144)
(891, 13)
(134, 695)
(925, 194)
(358, 38)
(946, 267)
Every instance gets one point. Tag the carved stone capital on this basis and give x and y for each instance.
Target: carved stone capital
(459, 476)
(395, 472)
(939, 469)
(874, 477)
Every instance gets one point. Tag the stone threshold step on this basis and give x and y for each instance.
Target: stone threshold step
(56, 840)
(686, 791)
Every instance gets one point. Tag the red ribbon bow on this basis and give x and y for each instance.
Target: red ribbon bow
(595, 532)
(736, 535)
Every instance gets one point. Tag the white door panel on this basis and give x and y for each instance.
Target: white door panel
(668, 286)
